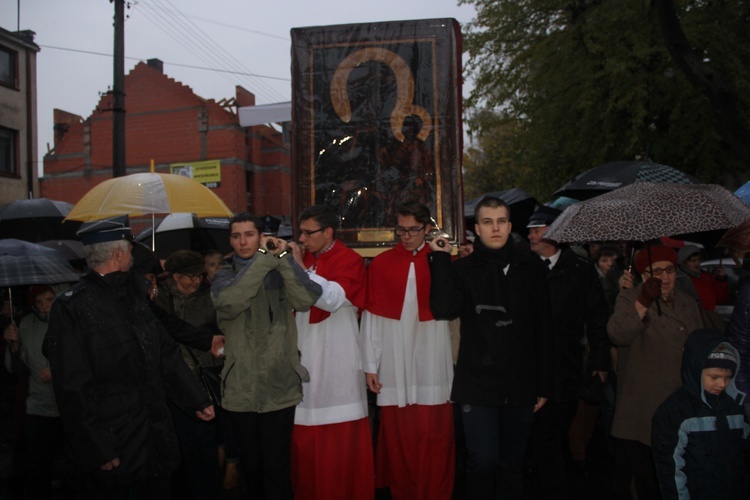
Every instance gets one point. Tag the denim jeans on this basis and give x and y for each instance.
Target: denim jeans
(496, 439)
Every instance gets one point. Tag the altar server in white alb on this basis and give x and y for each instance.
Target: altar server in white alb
(408, 362)
(332, 455)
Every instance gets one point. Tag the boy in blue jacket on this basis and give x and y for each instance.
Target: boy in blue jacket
(698, 431)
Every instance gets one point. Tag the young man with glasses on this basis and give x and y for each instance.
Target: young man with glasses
(331, 442)
(408, 361)
(649, 327)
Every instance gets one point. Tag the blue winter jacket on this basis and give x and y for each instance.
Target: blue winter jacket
(697, 438)
(738, 333)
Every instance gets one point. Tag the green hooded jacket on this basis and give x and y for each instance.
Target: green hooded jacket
(254, 301)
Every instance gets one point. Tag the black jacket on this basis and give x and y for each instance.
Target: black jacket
(738, 333)
(579, 312)
(505, 354)
(697, 437)
(197, 337)
(113, 366)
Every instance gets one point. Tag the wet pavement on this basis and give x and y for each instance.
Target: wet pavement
(589, 482)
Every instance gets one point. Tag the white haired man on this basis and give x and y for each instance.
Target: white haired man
(113, 365)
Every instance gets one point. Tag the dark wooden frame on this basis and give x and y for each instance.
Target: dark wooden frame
(410, 72)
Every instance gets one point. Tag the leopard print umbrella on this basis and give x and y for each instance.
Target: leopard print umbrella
(648, 210)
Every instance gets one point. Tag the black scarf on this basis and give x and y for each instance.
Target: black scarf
(502, 256)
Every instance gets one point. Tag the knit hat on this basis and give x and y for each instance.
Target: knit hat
(686, 252)
(722, 357)
(658, 253)
(185, 262)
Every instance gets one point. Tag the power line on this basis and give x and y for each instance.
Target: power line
(192, 38)
(188, 43)
(225, 54)
(169, 63)
(240, 28)
(221, 51)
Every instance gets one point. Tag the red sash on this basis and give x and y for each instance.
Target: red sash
(344, 266)
(386, 282)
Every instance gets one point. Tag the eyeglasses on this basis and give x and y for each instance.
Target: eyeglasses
(658, 271)
(192, 277)
(413, 231)
(305, 232)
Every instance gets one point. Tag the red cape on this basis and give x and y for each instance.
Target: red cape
(386, 282)
(344, 266)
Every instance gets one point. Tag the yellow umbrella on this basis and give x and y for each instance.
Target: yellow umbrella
(148, 193)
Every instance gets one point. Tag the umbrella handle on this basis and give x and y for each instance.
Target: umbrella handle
(10, 299)
(651, 271)
(153, 228)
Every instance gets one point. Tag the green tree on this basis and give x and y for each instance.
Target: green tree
(492, 159)
(583, 82)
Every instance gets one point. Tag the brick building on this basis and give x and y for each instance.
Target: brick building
(167, 122)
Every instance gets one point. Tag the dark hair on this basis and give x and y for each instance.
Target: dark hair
(246, 217)
(324, 215)
(608, 251)
(145, 260)
(420, 212)
(211, 252)
(490, 202)
(38, 290)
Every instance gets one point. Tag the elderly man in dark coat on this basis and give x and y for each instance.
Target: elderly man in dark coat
(112, 367)
(579, 313)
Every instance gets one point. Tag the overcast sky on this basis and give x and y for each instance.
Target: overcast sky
(234, 36)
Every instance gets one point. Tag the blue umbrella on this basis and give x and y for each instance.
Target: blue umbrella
(743, 193)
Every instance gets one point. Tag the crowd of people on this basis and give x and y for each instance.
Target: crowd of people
(302, 371)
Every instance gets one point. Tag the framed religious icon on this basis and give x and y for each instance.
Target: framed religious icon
(376, 122)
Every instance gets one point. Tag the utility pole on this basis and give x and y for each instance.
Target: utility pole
(118, 93)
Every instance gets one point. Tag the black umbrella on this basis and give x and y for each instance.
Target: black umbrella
(24, 263)
(521, 204)
(70, 249)
(614, 175)
(181, 231)
(37, 219)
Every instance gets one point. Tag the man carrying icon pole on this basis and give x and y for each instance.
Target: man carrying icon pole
(408, 362)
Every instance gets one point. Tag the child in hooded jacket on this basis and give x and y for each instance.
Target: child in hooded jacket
(698, 432)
